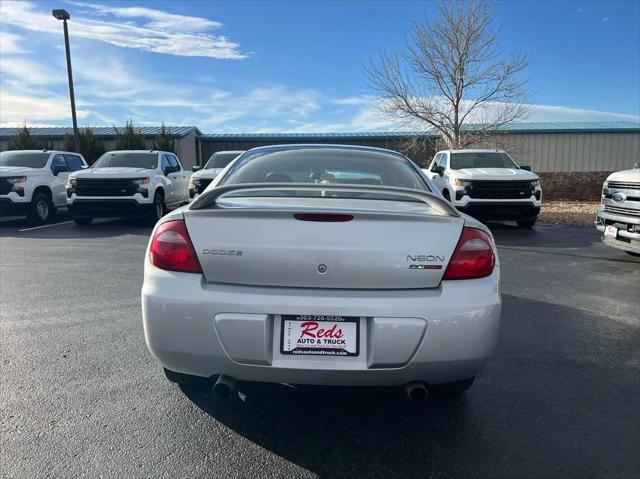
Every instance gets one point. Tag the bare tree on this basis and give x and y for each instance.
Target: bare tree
(452, 77)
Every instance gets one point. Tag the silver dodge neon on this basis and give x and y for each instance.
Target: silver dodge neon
(322, 264)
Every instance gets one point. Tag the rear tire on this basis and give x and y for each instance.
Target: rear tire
(183, 379)
(528, 223)
(82, 220)
(158, 209)
(453, 388)
(41, 210)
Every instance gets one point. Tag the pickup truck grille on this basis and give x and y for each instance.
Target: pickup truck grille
(622, 211)
(107, 187)
(500, 190)
(624, 185)
(203, 185)
(5, 186)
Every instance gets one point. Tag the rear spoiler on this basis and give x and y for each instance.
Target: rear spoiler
(210, 197)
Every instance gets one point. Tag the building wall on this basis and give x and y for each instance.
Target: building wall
(208, 147)
(571, 152)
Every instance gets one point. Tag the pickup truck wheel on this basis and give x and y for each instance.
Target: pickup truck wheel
(453, 388)
(42, 209)
(527, 223)
(446, 195)
(83, 220)
(181, 378)
(158, 210)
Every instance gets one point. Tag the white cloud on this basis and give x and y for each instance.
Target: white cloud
(17, 109)
(170, 34)
(10, 43)
(158, 19)
(565, 113)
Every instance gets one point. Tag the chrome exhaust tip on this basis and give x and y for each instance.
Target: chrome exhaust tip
(416, 391)
(224, 386)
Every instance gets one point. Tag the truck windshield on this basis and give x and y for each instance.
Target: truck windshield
(460, 161)
(220, 160)
(127, 159)
(28, 159)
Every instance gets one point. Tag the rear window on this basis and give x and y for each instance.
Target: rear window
(460, 161)
(220, 160)
(24, 159)
(127, 159)
(325, 166)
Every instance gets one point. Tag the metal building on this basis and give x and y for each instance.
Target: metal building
(209, 144)
(184, 137)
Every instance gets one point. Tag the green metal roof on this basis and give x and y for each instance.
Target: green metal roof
(102, 131)
(533, 127)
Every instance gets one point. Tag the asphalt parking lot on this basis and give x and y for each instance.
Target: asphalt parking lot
(81, 396)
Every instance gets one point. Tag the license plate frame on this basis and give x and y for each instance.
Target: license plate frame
(611, 231)
(332, 351)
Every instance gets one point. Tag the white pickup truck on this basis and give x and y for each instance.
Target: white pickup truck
(619, 216)
(32, 182)
(128, 183)
(488, 185)
(201, 178)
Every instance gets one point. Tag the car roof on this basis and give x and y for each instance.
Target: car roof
(237, 152)
(46, 151)
(303, 146)
(473, 150)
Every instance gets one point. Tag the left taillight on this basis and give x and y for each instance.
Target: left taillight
(171, 248)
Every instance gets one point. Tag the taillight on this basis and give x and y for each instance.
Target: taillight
(473, 256)
(171, 248)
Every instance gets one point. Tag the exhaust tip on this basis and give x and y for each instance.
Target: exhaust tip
(416, 391)
(224, 386)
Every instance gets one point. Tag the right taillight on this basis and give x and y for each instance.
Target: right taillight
(473, 257)
(171, 248)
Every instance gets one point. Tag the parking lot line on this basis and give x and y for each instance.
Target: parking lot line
(45, 226)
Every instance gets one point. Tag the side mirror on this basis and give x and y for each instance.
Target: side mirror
(439, 169)
(525, 167)
(195, 168)
(57, 169)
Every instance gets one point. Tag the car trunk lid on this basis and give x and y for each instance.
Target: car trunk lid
(321, 243)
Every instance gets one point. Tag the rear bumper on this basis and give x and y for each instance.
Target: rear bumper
(108, 208)
(502, 210)
(439, 335)
(8, 207)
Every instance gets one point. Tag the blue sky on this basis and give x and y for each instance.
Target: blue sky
(288, 66)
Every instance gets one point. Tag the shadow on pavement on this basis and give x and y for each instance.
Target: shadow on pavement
(554, 402)
(63, 227)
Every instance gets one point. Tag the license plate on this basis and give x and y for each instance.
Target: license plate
(320, 335)
(611, 231)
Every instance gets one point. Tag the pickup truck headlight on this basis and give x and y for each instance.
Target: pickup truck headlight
(535, 183)
(142, 186)
(461, 183)
(17, 184)
(71, 186)
(194, 183)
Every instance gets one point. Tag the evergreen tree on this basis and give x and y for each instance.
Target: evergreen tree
(23, 140)
(164, 141)
(129, 139)
(91, 147)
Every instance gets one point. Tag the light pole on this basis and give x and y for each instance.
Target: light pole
(64, 16)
